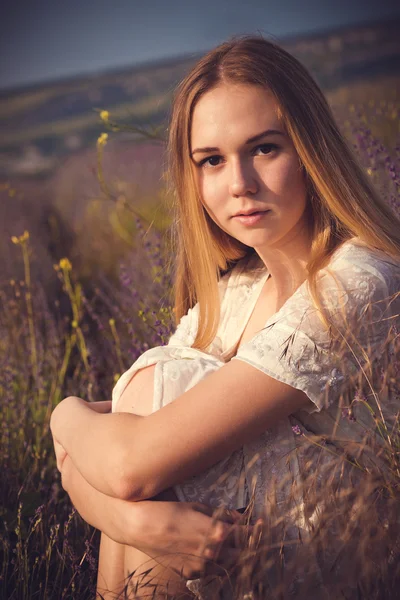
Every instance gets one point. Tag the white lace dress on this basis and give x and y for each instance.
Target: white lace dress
(294, 348)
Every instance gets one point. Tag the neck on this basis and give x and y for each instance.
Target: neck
(286, 262)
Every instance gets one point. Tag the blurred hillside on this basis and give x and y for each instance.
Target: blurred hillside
(41, 126)
(49, 166)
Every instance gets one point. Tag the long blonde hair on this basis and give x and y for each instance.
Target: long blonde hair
(342, 200)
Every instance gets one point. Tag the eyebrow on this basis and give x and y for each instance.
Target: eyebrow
(251, 140)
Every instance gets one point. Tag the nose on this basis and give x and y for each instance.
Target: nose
(242, 180)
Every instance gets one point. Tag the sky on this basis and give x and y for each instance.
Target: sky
(45, 40)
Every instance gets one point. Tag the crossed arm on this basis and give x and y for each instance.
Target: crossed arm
(130, 457)
(113, 516)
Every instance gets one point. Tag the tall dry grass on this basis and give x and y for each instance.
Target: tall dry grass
(78, 338)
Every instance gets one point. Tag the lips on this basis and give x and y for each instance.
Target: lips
(250, 212)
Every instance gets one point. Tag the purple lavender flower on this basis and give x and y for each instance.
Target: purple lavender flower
(296, 430)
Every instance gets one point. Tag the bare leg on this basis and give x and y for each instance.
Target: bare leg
(110, 576)
(121, 565)
(116, 561)
(149, 573)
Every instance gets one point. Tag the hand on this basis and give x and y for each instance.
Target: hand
(187, 537)
(60, 452)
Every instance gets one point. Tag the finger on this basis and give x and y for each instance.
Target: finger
(227, 515)
(224, 526)
(203, 508)
(214, 539)
(222, 514)
(223, 538)
(218, 532)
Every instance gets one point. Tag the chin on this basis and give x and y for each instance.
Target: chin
(256, 241)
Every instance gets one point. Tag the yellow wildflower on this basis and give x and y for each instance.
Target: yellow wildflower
(65, 264)
(102, 140)
(104, 116)
(21, 239)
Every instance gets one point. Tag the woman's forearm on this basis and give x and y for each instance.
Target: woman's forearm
(96, 443)
(119, 519)
(177, 531)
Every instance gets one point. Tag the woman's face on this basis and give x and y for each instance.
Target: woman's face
(241, 168)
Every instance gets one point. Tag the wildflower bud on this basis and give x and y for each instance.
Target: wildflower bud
(102, 140)
(65, 264)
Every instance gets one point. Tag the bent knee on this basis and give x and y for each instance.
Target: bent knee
(137, 397)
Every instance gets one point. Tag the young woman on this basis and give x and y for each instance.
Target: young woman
(288, 266)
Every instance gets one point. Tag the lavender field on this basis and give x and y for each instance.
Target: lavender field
(76, 315)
